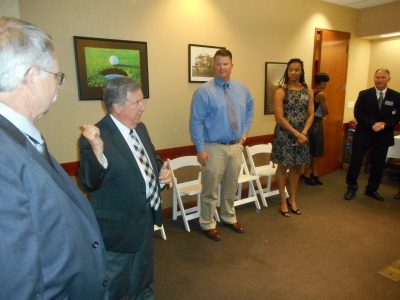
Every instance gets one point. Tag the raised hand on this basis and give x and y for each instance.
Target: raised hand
(92, 134)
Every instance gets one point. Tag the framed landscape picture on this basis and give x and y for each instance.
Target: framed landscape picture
(99, 60)
(273, 74)
(201, 62)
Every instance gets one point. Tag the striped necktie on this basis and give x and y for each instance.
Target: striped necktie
(41, 147)
(150, 179)
(380, 100)
(233, 120)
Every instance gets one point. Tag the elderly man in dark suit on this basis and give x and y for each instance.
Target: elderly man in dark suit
(377, 112)
(51, 246)
(123, 173)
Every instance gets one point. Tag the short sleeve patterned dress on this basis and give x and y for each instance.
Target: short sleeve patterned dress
(295, 110)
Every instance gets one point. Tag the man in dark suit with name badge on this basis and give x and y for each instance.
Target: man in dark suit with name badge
(377, 112)
(51, 246)
(123, 174)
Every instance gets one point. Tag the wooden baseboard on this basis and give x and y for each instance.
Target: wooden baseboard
(72, 167)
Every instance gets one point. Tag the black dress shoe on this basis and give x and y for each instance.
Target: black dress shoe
(349, 194)
(316, 180)
(375, 195)
(309, 180)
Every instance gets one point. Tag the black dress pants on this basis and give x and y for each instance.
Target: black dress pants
(131, 274)
(378, 158)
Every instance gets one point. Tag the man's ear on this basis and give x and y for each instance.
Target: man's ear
(115, 108)
(31, 78)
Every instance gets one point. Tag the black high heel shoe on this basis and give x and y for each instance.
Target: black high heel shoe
(295, 211)
(285, 213)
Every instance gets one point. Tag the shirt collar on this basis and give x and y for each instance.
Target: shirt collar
(19, 121)
(221, 83)
(121, 127)
(378, 91)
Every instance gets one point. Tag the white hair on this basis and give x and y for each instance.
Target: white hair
(22, 46)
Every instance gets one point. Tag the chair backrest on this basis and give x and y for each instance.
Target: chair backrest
(183, 162)
(259, 149)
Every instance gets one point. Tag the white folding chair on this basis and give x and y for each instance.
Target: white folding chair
(161, 228)
(246, 177)
(186, 188)
(265, 170)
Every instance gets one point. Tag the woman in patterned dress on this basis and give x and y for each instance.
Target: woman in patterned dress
(294, 109)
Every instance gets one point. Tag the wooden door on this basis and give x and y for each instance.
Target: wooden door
(331, 57)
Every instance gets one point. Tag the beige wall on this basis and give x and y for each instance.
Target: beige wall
(378, 20)
(386, 54)
(9, 8)
(255, 30)
(357, 75)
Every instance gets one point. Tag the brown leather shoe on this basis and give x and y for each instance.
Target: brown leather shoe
(213, 234)
(236, 227)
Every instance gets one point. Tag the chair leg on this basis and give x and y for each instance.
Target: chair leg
(216, 216)
(161, 228)
(239, 192)
(269, 180)
(164, 236)
(182, 208)
(174, 205)
(286, 193)
(252, 192)
(261, 192)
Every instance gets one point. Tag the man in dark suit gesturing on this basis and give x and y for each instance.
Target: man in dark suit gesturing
(51, 246)
(123, 173)
(377, 112)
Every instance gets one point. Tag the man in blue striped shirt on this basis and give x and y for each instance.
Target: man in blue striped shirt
(221, 115)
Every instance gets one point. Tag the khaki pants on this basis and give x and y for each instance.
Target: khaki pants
(222, 168)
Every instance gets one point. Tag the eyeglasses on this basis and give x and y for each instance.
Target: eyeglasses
(60, 76)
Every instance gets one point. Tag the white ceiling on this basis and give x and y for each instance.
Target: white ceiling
(360, 4)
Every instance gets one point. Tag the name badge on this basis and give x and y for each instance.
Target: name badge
(390, 103)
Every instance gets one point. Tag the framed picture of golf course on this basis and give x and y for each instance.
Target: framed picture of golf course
(99, 60)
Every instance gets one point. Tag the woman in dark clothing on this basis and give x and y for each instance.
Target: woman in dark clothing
(316, 132)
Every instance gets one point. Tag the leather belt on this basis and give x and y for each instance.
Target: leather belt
(228, 143)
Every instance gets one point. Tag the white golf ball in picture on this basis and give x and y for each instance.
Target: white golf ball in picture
(113, 60)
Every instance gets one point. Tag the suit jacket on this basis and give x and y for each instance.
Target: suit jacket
(118, 193)
(367, 112)
(51, 246)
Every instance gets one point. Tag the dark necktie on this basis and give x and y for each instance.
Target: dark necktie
(148, 170)
(42, 148)
(380, 100)
(233, 120)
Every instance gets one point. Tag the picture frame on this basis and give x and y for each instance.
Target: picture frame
(274, 72)
(98, 60)
(201, 62)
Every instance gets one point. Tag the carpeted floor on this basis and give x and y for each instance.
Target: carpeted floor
(333, 251)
